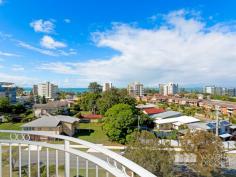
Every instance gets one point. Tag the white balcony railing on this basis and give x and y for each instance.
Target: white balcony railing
(111, 163)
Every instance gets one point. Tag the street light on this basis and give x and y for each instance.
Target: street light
(217, 120)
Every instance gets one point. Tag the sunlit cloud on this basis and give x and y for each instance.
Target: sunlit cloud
(182, 49)
(45, 26)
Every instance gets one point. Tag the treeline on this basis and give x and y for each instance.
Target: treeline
(14, 112)
(118, 108)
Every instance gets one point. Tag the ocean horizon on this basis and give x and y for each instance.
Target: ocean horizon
(71, 90)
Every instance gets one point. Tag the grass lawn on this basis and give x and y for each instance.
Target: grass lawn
(93, 132)
(9, 126)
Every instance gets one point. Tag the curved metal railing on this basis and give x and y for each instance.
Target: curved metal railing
(114, 164)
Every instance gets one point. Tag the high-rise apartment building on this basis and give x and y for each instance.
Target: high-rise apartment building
(48, 90)
(170, 89)
(161, 89)
(8, 90)
(107, 86)
(136, 89)
(232, 92)
(210, 89)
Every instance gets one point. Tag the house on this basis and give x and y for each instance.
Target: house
(58, 125)
(91, 118)
(50, 108)
(151, 111)
(144, 106)
(174, 123)
(1, 119)
(224, 127)
(165, 115)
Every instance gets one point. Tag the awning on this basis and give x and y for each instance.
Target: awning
(226, 135)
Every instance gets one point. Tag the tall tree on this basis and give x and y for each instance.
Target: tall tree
(112, 97)
(44, 101)
(119, 122)
(5, 105)
(87, 101)
(94, 87)
(208, 150)
(145, 149)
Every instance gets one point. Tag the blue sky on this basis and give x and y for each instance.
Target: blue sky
(74, 42)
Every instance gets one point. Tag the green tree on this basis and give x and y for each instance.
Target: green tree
(87, 101)
(19, 91)
(62, 95)
(18, 108)
(94, 87)
(119, 122)
(44, 101)
(112, 97)
(208, 150)
(145, 149)
(5, 105)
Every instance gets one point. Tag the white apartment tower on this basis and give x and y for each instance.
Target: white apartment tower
(170, 89)
(136, 89)
(48, 90)
(107, 86)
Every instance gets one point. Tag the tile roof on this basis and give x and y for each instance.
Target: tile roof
(151, 111)
(92, 116)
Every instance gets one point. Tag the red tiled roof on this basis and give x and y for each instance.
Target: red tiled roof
(92, 116)
(150, 111)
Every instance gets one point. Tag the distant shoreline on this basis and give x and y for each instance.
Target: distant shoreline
(71, 90)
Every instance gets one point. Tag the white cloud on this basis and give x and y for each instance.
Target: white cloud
(42, 51)
(67, 20)
(7, 54)
(40, 25)
(53, 53)
(18, 80)
(50, 43)
(183, 49)
(17, 68)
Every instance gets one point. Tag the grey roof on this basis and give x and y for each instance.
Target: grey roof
(51, 105)
(226, 135)
(232, 126)
(166, 114)
(199, 125)
(143, 106)
(50, 121)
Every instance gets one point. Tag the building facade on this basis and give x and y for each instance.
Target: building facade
(136, 89)
(8, 90)
(210, 89)
(107, 86)
(170, 89)
(161, 89)
(47, 90)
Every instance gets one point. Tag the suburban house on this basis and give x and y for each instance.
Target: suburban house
(50, 108)
(91, 117)
(224, 128)
(144, 106)
(60, 125)
(167, 114)
(174, 123)
(151, 111)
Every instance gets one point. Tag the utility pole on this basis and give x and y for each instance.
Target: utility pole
(138, 122)
(217, 120)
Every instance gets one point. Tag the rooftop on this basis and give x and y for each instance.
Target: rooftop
(50, 121)
(92, 116)
(151, 111)
(181, 120)
(166, 114)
